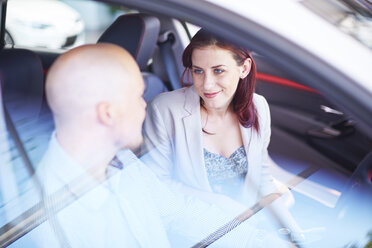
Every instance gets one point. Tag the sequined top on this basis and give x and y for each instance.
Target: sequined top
(226, 175)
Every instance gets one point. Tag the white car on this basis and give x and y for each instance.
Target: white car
(43, 23)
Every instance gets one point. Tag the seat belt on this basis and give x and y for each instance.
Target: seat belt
(165, 42)
(20, 148)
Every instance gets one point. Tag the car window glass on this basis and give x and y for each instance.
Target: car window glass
(352, 17)
(192, 28)
(315, 149)
(309, 132)
(57, 25)
(19, 190)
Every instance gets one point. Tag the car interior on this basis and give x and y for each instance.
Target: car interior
(308, 131)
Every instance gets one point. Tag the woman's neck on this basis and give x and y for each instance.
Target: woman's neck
(216, 120)
(219, 113)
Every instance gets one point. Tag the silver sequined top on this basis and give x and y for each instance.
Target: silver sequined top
(226, 175)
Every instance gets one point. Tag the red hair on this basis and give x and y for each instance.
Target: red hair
(242, 102)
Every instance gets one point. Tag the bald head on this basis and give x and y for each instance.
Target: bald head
(95, 94)
(87, 75)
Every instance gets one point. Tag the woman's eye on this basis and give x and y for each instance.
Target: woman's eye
(218, 71)
(197, 71)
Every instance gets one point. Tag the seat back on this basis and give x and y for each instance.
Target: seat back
(22, 82)
(24, 138)
(22, 78)
(138, 34)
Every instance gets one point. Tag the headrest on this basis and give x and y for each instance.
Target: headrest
(22, 79)
(137, 33)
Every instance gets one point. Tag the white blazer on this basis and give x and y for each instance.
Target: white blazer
(174, 146)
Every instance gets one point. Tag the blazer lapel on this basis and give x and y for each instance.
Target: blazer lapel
(251, 146)
(193, 133)
(253, 151)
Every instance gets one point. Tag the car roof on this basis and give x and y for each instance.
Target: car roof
(292, 20)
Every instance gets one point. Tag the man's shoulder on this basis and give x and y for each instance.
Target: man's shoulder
(137, 170)
(132, 165)
(45, 170)
(137, 176)
(47, 176)
(56, 169)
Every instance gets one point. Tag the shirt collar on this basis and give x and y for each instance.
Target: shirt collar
(67, 171)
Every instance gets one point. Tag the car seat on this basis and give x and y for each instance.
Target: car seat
(24, 138)
(137, 33)
(22, 82)
(22, 78)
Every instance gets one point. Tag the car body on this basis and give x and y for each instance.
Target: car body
(47, 24)
(314, 69)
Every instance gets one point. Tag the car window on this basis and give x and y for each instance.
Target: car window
(55, 24)
(352, 17)
(302, 139)
(19, 189)
(316, 150)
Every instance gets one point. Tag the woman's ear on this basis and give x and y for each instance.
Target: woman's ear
(246, 68)
(105, 113)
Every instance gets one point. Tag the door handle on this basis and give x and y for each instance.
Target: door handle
(330, 110)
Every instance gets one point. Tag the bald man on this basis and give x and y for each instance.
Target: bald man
(95, 94)
(96, 192)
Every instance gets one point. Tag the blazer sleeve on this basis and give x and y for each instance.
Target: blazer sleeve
(268, 184)
(157, 146)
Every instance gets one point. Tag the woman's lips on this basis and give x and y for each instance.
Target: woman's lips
(211, 95)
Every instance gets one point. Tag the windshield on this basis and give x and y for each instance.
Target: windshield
(353, 17)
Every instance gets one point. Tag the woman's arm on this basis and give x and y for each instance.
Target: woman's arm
(156, 149)
(279, 207)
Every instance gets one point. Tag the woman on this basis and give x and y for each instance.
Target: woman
(212, 136)
(210, 140)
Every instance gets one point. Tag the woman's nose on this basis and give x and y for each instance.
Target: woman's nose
(208, 82)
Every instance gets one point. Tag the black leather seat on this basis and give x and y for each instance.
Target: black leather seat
(22, 78)
(137, 33)
(22, 82)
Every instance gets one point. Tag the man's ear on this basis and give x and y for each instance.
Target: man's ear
(246, 68)
(105, 113)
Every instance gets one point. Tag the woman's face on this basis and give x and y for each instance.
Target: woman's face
(216, 75)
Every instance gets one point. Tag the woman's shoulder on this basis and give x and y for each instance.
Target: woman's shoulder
(259, 101)
(262, 108)
(171, 98)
